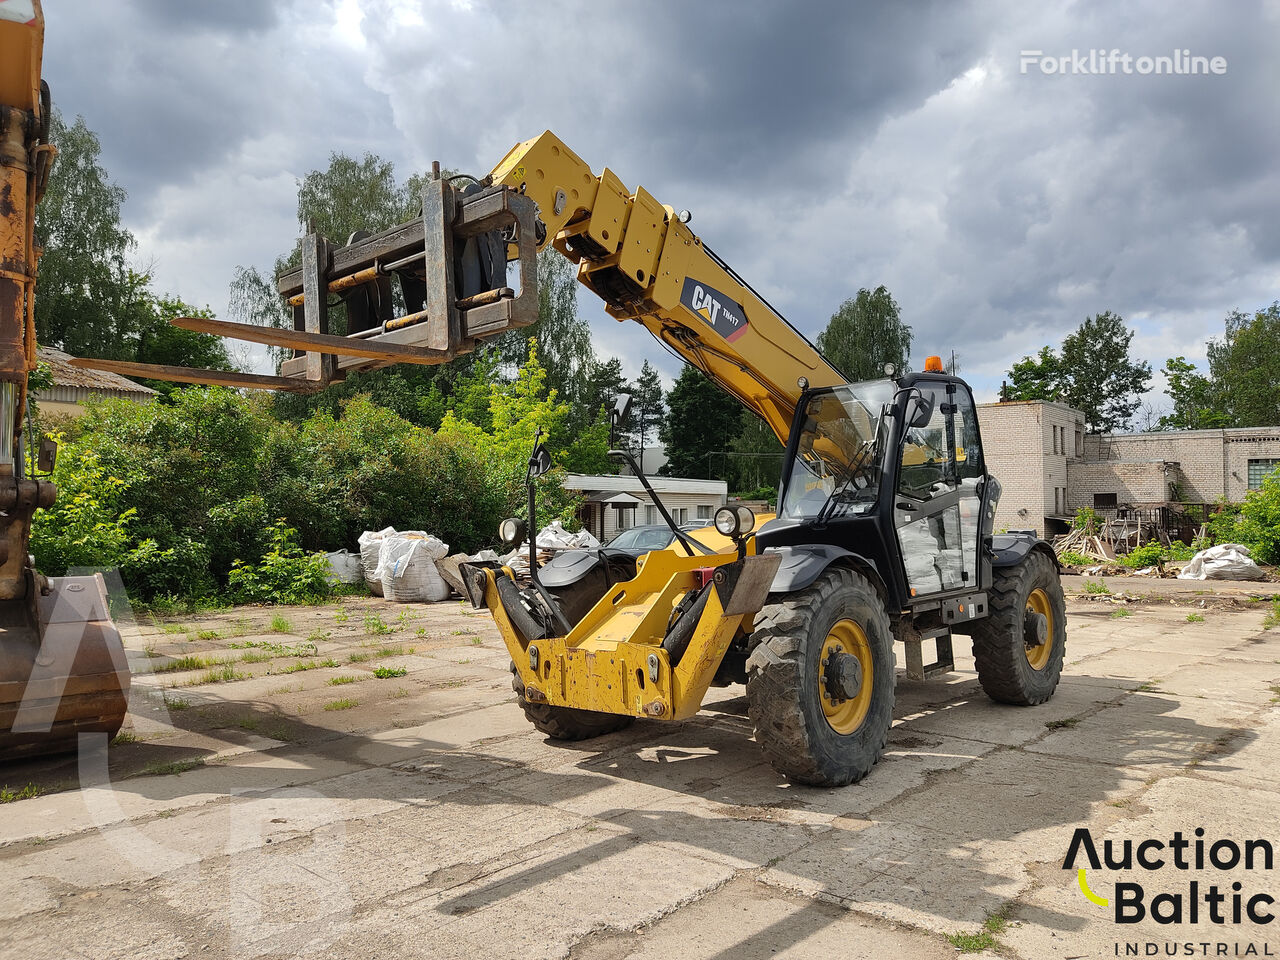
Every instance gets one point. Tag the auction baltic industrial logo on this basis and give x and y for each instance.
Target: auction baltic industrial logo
(1170, 899)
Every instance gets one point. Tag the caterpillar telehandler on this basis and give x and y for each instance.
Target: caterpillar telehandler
(62, 665)
(883, 532)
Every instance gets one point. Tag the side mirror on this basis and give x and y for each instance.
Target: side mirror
(621, 407)
(47, 457)
(539, 462)
(919, 411)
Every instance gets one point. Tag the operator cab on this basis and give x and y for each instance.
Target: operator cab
(890, 471)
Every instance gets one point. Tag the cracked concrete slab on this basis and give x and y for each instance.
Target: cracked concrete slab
(430, 820)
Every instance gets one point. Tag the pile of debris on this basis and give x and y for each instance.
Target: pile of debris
(1086, 544)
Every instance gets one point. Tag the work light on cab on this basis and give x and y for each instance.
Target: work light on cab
(735, 521)
(511, 531)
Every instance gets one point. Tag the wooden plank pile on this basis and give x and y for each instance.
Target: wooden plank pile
(1086, 543)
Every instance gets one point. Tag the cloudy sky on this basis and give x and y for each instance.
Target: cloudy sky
(821, 147)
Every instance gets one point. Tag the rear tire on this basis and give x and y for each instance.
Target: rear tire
(566, 723)
(808, 735)
(1009, 670)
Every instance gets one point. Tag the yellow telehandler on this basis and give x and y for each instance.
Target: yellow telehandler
(883, 530)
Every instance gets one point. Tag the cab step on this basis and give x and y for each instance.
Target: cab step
(917, 669)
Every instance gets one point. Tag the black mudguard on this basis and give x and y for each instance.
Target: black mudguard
(1010, 549)
(802, 565)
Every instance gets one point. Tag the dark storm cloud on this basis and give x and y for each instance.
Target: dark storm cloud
(224, 16)
(176, 90)
(821, 146)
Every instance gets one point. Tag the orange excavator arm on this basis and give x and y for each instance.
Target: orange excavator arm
(63, 671)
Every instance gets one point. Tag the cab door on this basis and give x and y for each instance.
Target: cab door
(937, 494)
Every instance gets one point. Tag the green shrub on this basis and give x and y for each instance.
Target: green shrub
(1147, 555)
(1088, 520)
(1075, 559)
(89, 524)
(184, 495)
(285, 574)
(181, 570)
(1258, 525)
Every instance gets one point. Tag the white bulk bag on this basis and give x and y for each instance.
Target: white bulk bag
(344, 567)
(407, 567)
(1226, 561)
(370, 544)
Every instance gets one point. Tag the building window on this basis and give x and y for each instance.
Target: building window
(1104, 501)
(650, 514)
(1258, 470)
(704, 511)
(1079, 442)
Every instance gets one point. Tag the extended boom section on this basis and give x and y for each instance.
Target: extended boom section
(640, 257)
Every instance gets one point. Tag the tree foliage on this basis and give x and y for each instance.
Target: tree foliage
(1093, 372)
(1099, 376)
(87, 288)
(648, 411)
(1245, 369)
(702, 419)
(1195, 406)
(91, 300)
(864, 334)
(1035, 378)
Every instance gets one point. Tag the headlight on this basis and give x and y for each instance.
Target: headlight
(511, 531)
(735, 521)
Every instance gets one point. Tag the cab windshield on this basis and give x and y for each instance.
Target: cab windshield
(840, 455)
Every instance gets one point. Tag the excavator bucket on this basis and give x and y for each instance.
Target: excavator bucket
(63, 670)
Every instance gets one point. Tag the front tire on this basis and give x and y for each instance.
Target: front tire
(566, 723)
(816, 725)
(1012, 666)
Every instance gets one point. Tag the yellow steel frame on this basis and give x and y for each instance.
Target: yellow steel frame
(761, 364)
(603, 662)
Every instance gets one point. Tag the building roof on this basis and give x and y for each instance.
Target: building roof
(86, 381)
(615, 499)
(625, 483)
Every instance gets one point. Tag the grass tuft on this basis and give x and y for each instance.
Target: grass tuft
(187, 662)
(342, 680)
(346, 703)
(972, 942)
(1272, 618)
(223, 674)
(386, 673)
(1121, 613)
(9, 794)
(375, 625)
(173, 767)
(281, 624)
(1098, 586)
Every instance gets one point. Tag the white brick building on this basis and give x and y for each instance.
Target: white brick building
(1049, 467)
(1028, 447)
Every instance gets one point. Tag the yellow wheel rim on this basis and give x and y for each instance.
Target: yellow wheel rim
(1038, 602)
(846, 716)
